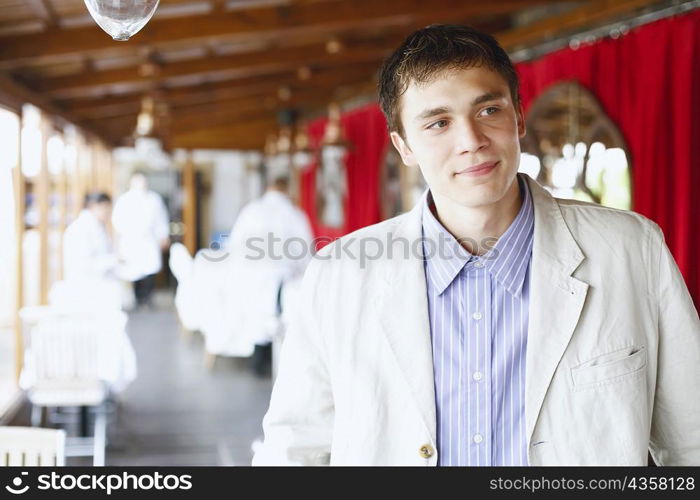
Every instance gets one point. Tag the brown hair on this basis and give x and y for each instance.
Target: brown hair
(95, 198)
(279, 182)
(432, 50)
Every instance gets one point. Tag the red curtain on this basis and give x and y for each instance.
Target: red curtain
(648, 82)
(365, 128)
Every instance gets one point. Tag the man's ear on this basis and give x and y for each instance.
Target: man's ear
(521, 121)
(402, 147)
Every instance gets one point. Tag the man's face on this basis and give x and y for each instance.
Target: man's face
(462, 129)
(102, 211)
(139, 182)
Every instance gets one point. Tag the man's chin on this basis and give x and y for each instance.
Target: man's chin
(476, 196)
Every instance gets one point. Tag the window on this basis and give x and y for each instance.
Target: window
(9, 145)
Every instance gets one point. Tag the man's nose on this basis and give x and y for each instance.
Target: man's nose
(470, 138)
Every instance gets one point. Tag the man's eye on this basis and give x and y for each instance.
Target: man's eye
(489, 111)
(438, 124)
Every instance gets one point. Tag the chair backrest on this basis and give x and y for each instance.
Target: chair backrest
(180, 261)
(86, 295)
(67, 346)
(23, 446)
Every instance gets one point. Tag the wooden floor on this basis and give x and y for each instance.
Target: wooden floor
(178, 412)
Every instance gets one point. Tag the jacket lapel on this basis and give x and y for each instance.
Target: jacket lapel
(402, 304)
(556, 300)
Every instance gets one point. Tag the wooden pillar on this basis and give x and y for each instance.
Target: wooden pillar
(62, 192)
(19, 194)
(76, 186)
(43, 193)
(103, 171)
(189, 206)
(110, 177)
(296, 185)
(94, 179)
(82, 171)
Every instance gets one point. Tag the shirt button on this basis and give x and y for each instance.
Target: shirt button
(478, 438)
(478, 264)
(476, 316)
(477, 376)
(426, 451)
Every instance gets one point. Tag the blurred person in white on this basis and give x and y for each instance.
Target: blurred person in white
(140, 221)
(270, 244)
(89, 296)
(90, 266)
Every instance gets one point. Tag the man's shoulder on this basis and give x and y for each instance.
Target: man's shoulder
(353, 264)
(590, 219)
(358, 255)
(602, 217)
(372, 234)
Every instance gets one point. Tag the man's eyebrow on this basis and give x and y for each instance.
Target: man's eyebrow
(489, 96)
(429, 113)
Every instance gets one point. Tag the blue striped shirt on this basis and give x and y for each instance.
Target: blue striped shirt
(478, 309)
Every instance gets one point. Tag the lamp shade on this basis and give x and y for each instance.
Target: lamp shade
(121, 19)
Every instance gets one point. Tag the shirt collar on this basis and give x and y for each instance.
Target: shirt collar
(507, 260)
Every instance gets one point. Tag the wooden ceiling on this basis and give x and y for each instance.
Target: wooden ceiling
(221, 70)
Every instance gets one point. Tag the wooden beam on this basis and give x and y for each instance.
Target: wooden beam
(588, 15)
(234, 66)
(133, 76)
(240, 110)
(220, 114)
(245, 134)
(249, 135)
(43, 10)
(23, 95)
(181, 99)
(323, 17)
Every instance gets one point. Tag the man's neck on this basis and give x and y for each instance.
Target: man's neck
(275, 190)
(481, 225)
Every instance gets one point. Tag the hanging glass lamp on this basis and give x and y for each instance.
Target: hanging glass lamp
(121, 19)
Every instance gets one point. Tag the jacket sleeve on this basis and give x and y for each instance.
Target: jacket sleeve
(299, 423)
(675, 426)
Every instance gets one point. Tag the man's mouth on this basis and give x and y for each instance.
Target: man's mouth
(480, 169)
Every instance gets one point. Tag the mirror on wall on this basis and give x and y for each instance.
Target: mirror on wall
(574, 149)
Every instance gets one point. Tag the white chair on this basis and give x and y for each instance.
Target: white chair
(24, 446)
(211, 281)
(64, 356)
(181, 265)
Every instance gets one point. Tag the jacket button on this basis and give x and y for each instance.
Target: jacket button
(426, 451)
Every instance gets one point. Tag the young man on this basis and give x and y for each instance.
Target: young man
(140, 221)
(254, 288)
(535, 331)
(90, 266)
(87, 247)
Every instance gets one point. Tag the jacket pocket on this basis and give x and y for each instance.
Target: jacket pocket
(609, 368)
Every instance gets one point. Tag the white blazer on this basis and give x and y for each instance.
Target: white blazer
(613, 354)
(140, 221)
(87, 249)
